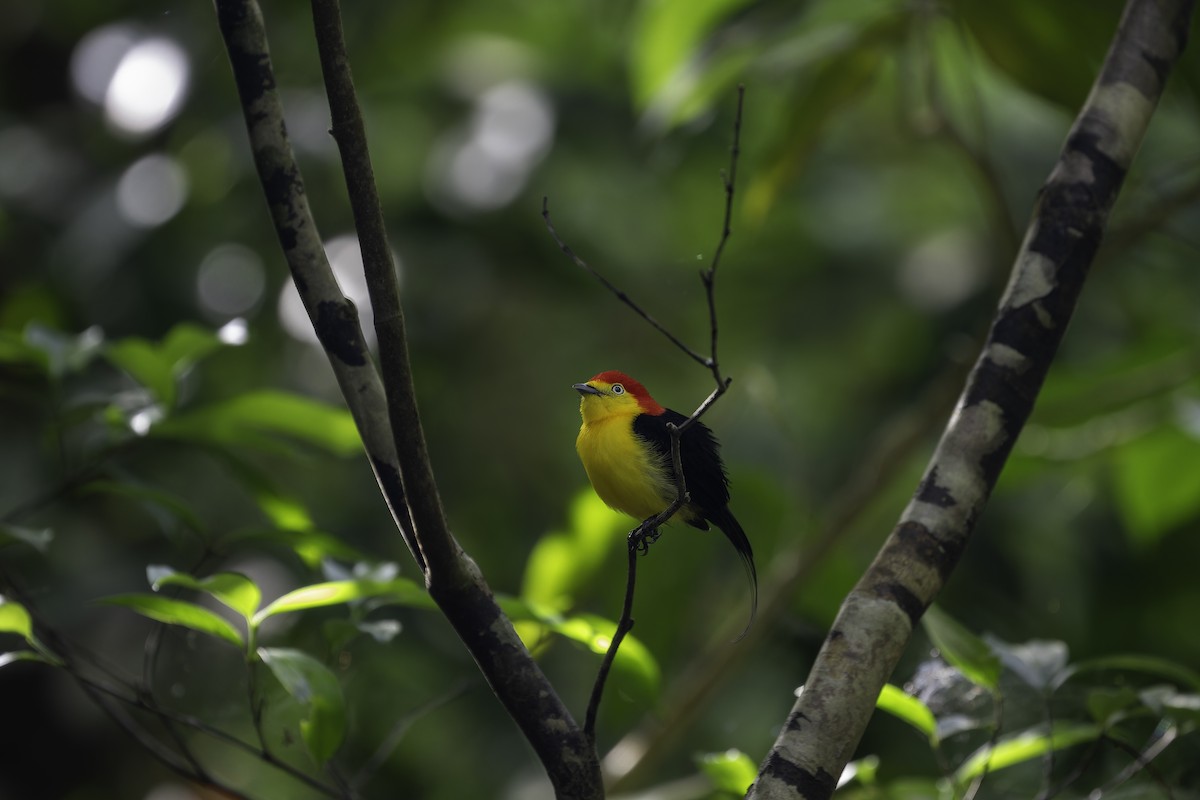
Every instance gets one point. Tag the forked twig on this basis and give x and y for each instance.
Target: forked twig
(619, 293)
(647, 531)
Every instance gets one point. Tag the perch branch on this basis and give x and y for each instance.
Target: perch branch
(877, 618)
(647, 532)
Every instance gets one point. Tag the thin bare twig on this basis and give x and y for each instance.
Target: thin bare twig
(641, 537)
(624, 625)
(618, 293)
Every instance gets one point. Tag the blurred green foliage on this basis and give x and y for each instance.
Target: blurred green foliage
(160, 403)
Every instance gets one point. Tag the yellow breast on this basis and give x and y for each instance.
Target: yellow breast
(625, 474)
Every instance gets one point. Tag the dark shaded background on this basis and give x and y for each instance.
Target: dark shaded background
(891, 156)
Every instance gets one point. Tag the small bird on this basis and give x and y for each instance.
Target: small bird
(625, 448)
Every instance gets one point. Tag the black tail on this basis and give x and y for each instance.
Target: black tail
(732, 529)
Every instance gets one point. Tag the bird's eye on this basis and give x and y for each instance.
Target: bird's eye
(618, 389)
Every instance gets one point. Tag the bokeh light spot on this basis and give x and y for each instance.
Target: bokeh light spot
(96, 58)
(151, 191)
(486, 166)
(230, 281)
(148, 86)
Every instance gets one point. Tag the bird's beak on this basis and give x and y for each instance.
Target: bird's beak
(584, 388)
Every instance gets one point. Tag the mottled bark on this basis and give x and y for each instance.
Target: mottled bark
(877, 618)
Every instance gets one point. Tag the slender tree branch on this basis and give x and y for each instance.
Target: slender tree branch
(388, 421)
(383, 284)
(624, 625)
(333, 315)
(647, 532)
(878, 616)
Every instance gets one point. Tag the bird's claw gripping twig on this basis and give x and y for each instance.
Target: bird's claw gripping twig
(642, 537)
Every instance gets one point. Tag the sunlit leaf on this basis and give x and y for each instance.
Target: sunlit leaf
(15, 619)
(1153, 494)
(178, 612)
(634, 660)
(264, 419)
(731, 771)
(311, 684)
(562, 563)
(863, 771)
(37, 538)
(400, 590)
(22, 655)
(1023, 747)
(912, 710)
(233, 589)
(666, 35)
(961, 648)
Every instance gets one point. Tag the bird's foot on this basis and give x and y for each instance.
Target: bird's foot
(641, 538)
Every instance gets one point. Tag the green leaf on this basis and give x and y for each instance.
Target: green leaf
(381, 630)
(863, 770)
(265, 420)
(142, 360)
(233, 589)
(634, 661)
(1106, 705)
(399, 590)
(731, 771)
(312, 546)
(37, 538)
(1148, 665)
(665, 36)
(23, 655)
(912, 710)
(311, 684)
(15, 619)
(178, 612)
(962, 649)
(63, 352)
(159, 365)
(840, 64)
(152, 499)
(1038, 662)
(15, 350)
(561, 564)
(1026, 39)
(1166, 701)
(1153, 494)
(1023, 747)
(187, 343)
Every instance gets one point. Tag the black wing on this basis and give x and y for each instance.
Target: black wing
(707, 483)
(703, 471)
